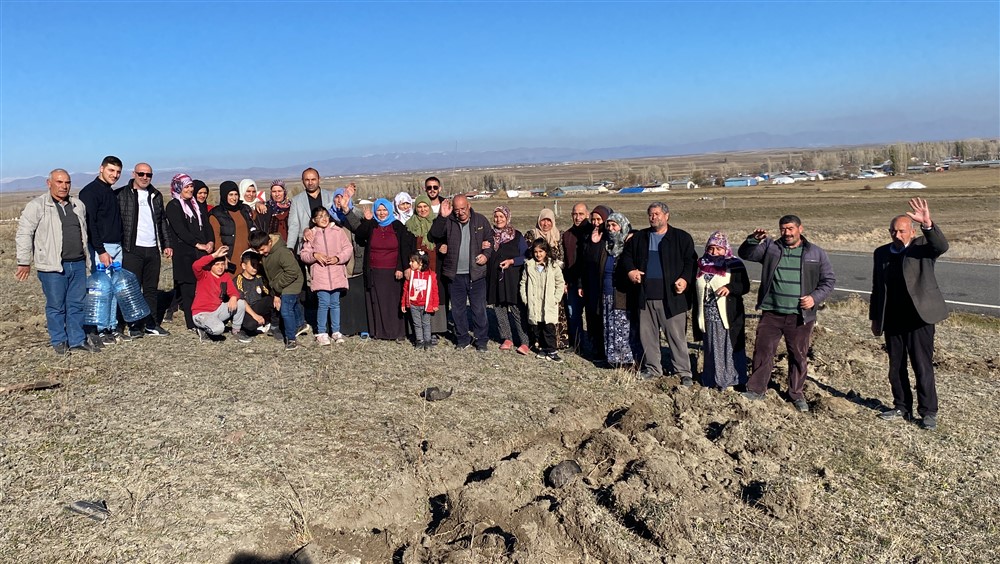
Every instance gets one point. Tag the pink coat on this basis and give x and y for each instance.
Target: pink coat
(331, 241)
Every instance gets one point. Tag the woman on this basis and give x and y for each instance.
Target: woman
(545, 228)
(388, 246)
(503, 279)
(404, 207)
(248, 193)
(353, 305)
(232, 223)
(718, 317)
(277, 210)
(201, 195)
(590, 270)
(419, 225)
(621, 336)
(192, 238)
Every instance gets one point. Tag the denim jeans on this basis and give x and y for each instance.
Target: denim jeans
(292, 316)
(468, 294)
(64, 293)
(421, 324)
(329, 305)
(115, 251)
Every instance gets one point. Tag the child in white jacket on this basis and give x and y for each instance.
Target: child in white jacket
(542, 288)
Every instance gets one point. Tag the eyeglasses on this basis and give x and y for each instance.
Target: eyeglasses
(144, 174)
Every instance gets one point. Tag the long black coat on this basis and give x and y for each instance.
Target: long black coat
(185, 234)
(506, 291)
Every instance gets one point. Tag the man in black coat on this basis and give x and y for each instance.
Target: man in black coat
(661, 263)
(905, 304)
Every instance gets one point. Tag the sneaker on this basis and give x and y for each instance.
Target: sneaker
(338, 337)
(554, 357)
(202, 334)
(86, 346)
(121, 337)
(523, 349)
(929, 422)
(480, 348)
(242, 337)
(687, 381)
(61, 349)
(134, 333)
(157, 331)
(265, 329)
(107, 339)
(95, 341)
(418, 344)
(302, 330)
(894, 414)
(323, 339)
(802, 405)
(541, 356)
(467, 347)
(427, 346)
(291, 345)
(647, 375)
(753, 396)
(507, 345)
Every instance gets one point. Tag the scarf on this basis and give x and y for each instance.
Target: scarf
(551, 237)
(616, 241)
(275, 207)
(246, 182)
(709, 264)
(224, 189)
(501, 236)
(419, 226)
(403, 216)
(388, 207)
(339, 216)
(190, 206)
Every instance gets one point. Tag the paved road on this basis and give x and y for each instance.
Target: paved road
(966, 286)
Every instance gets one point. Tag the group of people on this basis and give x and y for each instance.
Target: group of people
(420, 268)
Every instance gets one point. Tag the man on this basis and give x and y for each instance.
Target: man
(796, 278)
(432, 186)
(574, 303)
(906, 303)
(661, 262)
(53, 231)
(104, 225)
(303, 205)
(467, 245)
(145, 234)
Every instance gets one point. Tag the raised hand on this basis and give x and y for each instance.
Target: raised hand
(921, 212)
(759, 234)
(368, 213)
(446, 208)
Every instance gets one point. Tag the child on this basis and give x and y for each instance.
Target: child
(216, 299)
(420, 295)
(328, 250)
(286, 280)
(255, 296)
(542, 287)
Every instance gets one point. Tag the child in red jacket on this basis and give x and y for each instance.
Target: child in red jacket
(420, 296)
(216, 297)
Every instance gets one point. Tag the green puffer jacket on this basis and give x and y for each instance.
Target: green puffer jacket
(283, 273)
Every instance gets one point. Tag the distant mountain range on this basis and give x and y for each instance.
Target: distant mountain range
(951, 129)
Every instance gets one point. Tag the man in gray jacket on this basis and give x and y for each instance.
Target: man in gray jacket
(466, 242)
(906, 303)
(52, 231)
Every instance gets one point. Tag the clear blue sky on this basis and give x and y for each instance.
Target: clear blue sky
(267, 84)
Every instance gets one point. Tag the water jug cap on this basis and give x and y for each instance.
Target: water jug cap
(101, 267)
(116, 265)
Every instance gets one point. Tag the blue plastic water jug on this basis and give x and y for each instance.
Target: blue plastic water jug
(131, 302)
(98, 302)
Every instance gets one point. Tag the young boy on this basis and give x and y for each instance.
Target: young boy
(256, 296)
(216, 298)
(286, 278)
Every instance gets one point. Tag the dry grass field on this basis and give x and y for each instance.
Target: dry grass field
(237, 453)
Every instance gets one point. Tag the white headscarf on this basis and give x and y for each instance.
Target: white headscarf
(402, 216)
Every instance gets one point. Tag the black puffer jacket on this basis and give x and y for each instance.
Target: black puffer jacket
(128, 204)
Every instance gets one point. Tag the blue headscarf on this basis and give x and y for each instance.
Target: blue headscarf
(339, 216)
(389, 208)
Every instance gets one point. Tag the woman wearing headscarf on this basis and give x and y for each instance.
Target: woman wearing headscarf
(621, 336)
(192, 236)
(718, 316)
(232, 224)
(404, 207)
(388, 246)
(353, 304)
(419, 225)
(277, 207)
(201, 195)
(545, 228)
(503, 281)
(589, 268)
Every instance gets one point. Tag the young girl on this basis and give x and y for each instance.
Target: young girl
(542, 287)
(420, 296)
(327, 250)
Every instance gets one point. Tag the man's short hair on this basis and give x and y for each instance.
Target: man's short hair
(892, 224)
(786, 219)
(251, 257)
(663, 207)
(55, 170)
(310, 169)
(429, 178)
(258, 239)
(111, 160)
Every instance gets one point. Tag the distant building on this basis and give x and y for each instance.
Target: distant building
(685, 184)
(578, 190)
(738, 181)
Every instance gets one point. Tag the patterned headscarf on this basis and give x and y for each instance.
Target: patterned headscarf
(616, 241)
(388, 207)
(709, 264)
(501, 236)
(419, 226)
(403, 216)
(275, 207)
(189, 206)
